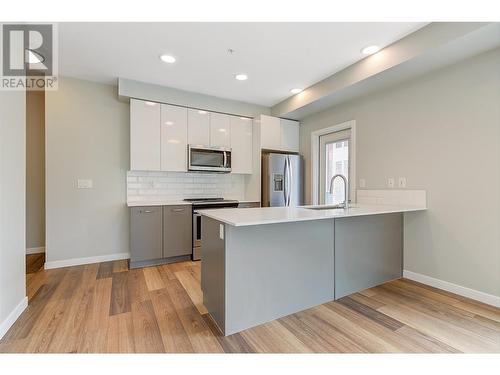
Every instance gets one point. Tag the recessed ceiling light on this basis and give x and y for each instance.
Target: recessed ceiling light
(241, 77)
(370, 50)
(202, 112)
(295, 91)
(167, 58)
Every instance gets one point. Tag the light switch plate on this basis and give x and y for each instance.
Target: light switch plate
(84, 184)
(221, 231)
(402, 182)
(362, 183)
(390, 182)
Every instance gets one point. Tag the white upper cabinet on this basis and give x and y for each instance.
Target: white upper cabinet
(199, 127)
(174, 138)
(279, 134)
(144, 136)
(289, 135)
(270, 133)
(241, 145)
(220, 130)
(160, 135)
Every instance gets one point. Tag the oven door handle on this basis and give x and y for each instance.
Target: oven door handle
(195, 226)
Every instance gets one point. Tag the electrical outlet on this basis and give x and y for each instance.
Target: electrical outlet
(84, 184)
(362, 183)
(402, 182)
(390, 182)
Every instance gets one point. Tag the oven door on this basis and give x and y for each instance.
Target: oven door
(209, 159)
(196, 236)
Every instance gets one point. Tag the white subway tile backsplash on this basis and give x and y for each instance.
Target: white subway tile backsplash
(153, 186)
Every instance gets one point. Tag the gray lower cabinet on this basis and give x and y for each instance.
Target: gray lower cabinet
(177, 231)
(249, 205)
(145, 233)
(160, 234)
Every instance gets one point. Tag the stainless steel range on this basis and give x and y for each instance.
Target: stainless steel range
(208, 203)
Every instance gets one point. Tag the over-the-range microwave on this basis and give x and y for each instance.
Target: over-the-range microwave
(209, 159)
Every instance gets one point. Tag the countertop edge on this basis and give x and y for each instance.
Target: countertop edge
(157, 203)
(377, 211)
(171, 203)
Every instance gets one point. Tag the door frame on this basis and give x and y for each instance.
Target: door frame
(315, 158)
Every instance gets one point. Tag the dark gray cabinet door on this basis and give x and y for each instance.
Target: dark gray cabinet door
(177, 231)
(145, 233)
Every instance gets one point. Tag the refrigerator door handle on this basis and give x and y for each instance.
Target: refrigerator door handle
(285, 182)
(290, 179)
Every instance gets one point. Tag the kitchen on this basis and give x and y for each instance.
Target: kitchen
(219, 143)
(209, 213)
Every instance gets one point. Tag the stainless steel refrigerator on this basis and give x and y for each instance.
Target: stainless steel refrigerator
(281, 180)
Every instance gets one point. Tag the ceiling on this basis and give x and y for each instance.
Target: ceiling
(276, 56)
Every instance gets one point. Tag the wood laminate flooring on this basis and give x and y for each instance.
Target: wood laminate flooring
(106, 308)
(34, 262)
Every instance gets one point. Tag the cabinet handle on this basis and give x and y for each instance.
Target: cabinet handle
(147, 211)
(178, 209)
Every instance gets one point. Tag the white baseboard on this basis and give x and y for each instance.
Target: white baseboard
(489, 299)
(35, 250)
(89, 260)
(11, 319)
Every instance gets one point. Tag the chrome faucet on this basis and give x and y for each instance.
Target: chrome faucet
(346, 189)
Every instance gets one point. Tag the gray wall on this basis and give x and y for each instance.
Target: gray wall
(35, 169)
(87, 136)
(442, 132)
(12, 202)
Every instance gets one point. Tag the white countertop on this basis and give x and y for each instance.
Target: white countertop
(157, 203)
(271, 215)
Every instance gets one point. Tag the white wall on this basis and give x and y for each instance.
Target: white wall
(442, 132)
(12, 206)
(87, 136)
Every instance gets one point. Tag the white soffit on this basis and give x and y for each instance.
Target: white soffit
(453, 42)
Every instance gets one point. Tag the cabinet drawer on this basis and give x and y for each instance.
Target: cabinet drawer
(177, 231)
(145, 233)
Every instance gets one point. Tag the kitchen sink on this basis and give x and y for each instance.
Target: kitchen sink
(331, 207)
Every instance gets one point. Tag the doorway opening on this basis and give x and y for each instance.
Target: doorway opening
(35, 181)
(333, 153)
(333, 160)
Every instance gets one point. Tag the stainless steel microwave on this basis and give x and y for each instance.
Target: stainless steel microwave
(209, 159)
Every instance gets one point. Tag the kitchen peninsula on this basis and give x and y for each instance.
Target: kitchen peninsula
(260, 264)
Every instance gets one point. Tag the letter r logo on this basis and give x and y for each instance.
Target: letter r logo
(27, 46)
